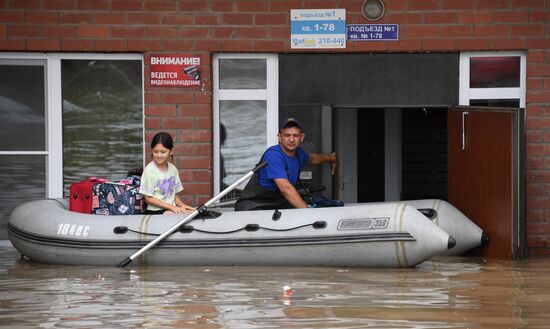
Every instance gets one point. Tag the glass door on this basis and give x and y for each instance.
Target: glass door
(23, 143)
(245, 104)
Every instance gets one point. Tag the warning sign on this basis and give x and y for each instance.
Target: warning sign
(175, 70)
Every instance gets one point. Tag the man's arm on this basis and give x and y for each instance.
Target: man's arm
(290, 193)
(317, 158)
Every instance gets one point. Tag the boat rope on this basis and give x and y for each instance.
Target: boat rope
(248, 228)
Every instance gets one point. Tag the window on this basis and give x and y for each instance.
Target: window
(22, 106)
(23, 150)
(494, 72)
(245, 113)
(64, 117)
(102, 118)
(492, 79)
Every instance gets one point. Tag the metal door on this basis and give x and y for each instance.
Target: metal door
(485, 169)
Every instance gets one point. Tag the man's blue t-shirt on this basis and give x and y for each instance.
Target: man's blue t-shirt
(280, 165)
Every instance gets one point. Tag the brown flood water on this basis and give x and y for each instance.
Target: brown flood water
(449, 292)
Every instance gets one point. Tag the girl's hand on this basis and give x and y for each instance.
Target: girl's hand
(187, 208)
(182, 209)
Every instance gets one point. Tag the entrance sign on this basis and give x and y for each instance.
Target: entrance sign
(373, 32)
(317, 28)
(175, 70)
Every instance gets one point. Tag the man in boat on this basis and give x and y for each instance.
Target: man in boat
(276, 186)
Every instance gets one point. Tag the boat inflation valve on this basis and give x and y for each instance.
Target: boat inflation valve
(276, 215)
(208, 214)
(428, 212)
(252, 227)
(186, 229)
(451, 243)
(319, 224)
(120, 230)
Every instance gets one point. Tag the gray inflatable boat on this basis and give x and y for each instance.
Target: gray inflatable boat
(443, 214)
(361, 235)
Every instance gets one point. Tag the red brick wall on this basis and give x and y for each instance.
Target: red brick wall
(204, 27)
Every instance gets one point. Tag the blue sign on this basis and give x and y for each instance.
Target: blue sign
(318, 28)
(373, 32)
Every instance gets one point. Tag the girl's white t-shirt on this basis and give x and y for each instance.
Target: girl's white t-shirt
(160, 184)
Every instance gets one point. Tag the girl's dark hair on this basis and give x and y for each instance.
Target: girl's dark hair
(163, 138)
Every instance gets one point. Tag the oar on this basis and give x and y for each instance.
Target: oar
(224, 203)
(192, 215)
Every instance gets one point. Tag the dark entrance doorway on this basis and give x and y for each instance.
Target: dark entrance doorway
(324, 84)
(370, 155)
(387, 117)
(422, 148)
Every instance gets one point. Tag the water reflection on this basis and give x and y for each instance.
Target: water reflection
(450, 292)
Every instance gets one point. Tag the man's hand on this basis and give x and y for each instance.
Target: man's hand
(317, 158)
(333, 163)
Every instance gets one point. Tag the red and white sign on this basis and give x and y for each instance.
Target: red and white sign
(175, 70)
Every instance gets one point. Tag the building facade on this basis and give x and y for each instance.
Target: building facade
(85, 84)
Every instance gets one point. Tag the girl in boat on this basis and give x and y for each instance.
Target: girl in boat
(160, 181)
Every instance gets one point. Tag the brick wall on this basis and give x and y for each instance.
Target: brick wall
(204, 27)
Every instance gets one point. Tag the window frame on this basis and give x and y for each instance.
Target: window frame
(270, 95)
(466, 93)
(54, 109)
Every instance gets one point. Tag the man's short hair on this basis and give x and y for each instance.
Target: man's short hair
(290, 123)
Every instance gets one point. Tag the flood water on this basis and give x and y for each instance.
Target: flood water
(449, 292)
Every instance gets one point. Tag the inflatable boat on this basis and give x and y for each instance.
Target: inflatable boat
(361, 235)
(466, 233)
(451, 220)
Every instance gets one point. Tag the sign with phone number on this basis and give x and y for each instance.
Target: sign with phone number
(317, 28)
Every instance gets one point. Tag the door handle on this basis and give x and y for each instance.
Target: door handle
(464, 114)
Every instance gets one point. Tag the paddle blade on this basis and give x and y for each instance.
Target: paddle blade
(125, 262)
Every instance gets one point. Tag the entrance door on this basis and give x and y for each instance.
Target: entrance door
(484, 175)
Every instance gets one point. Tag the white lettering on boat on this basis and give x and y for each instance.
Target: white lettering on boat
(363, 223)
(73, 230)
